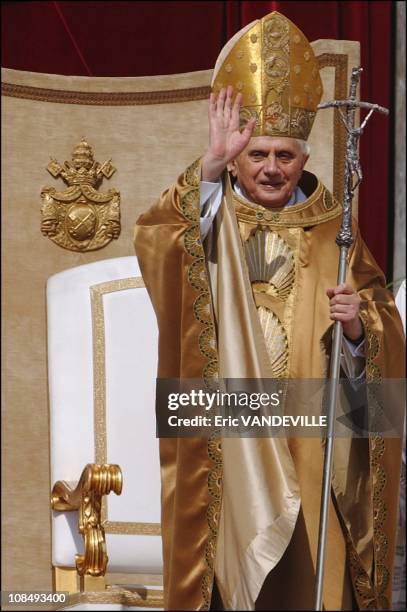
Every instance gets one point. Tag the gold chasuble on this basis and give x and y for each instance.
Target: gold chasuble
(244, 507)
(250, 303)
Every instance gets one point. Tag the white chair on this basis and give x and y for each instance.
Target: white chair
(102, 360)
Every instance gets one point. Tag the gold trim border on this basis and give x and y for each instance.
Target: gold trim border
(137, 98)
(99, 385)
(371, 593)
(105, 98)
(198, 279)
(127, 528)
(143, 598)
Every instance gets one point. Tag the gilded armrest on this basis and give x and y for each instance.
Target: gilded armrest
(96, 480)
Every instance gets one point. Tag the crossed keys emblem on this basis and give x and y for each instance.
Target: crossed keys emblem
(81, 218)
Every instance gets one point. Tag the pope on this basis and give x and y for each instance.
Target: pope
(240, 261)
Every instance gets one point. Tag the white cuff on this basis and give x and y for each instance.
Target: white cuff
(210, 199)
(206, 190)
(353, 360)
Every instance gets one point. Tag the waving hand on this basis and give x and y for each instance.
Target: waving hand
(226, 141)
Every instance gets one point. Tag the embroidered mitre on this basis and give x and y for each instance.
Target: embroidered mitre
(272, 64)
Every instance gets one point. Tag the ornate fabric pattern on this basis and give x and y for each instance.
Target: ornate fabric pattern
(371, 595)
(197, 277)
(271, 266)
(274, 67)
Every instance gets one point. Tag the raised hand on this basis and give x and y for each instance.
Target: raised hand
(226, 141)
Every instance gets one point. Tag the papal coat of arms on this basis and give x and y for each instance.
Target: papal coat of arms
(81, 218)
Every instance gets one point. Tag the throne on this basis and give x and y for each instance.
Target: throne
(102, 359)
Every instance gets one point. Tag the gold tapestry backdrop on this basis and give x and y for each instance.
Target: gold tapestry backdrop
(151, 128)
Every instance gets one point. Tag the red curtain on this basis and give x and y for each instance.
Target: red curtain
(144, 38)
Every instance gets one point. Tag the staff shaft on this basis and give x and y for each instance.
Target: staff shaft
(344, 240)
(329, 447)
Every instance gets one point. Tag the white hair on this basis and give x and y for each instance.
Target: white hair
(305, 148)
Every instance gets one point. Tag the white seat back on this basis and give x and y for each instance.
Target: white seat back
(102, 360)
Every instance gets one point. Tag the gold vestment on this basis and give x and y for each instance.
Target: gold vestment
(232, 506)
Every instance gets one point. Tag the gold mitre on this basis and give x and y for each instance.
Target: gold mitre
(272, 64)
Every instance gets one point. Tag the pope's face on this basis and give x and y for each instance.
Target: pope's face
(268, 169)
